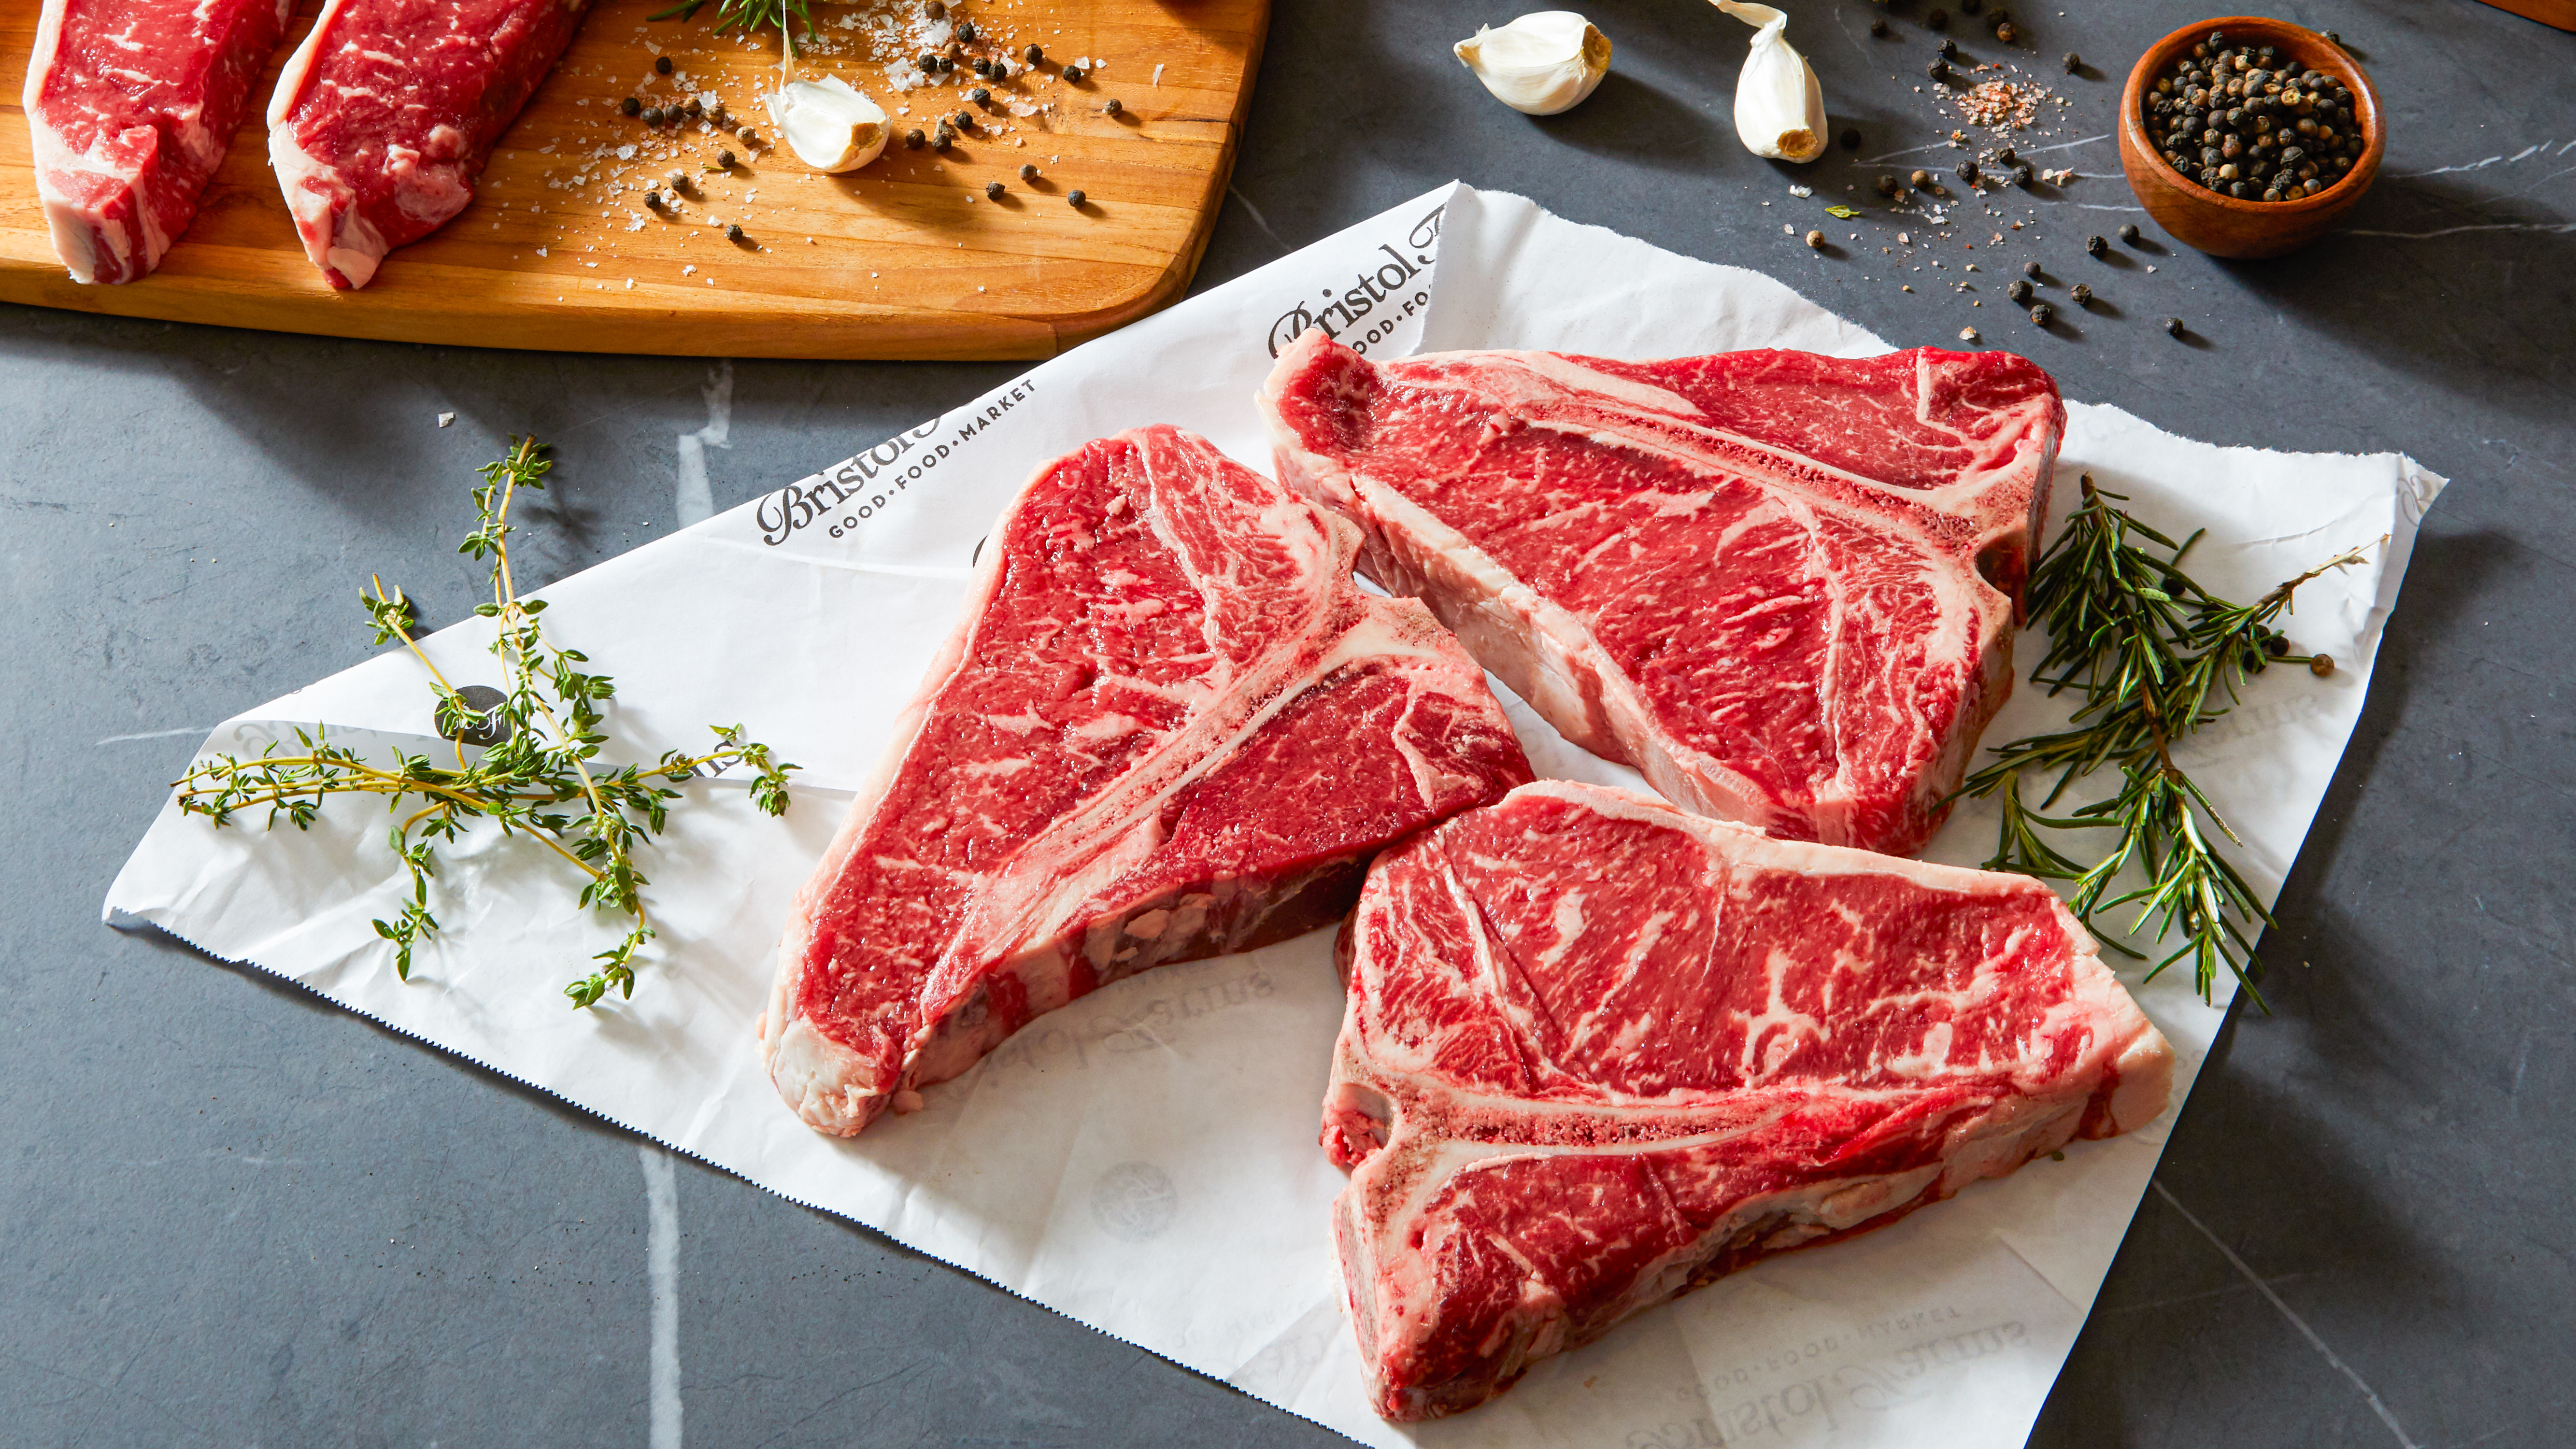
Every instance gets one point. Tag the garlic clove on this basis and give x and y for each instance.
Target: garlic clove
(1779, 106)
(1540, 64)
(829, 126)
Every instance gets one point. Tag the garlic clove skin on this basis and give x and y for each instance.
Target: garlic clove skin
(829, 126)
(1779, 104)
(1539, 65)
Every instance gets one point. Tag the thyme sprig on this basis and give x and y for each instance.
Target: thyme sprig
(538, 773)
(2155, 656)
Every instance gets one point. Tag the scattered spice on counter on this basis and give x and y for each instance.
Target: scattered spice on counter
(1878, 28)
(2173, 325)
(1028, 171)
(1816, 239)
(630, 107)
(1033, 55)
(2019, 291)
(2096, 245)
(2129, 232)
(2040, 313)
(993, 190)
(1112, 107)
(2080, 294)
(1075, 199)
(1073, 75)
(2074, 63)
(661, 65)
(1967, 334)
(733, 231)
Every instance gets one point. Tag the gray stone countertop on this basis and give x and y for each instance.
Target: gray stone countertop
(237, 1215)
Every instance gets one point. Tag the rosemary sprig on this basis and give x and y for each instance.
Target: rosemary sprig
(749, 17)
(538, 774)
(2155, 656)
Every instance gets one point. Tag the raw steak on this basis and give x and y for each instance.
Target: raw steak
(1169, 727)
(131, 105)
(1780, 585)
(1600, 1052)
(388, 110)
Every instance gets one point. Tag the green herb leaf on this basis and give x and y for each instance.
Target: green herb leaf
(1844, 213)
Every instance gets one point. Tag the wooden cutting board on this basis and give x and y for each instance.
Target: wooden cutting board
(904, 259)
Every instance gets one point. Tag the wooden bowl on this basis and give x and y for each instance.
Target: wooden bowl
(2224, 226)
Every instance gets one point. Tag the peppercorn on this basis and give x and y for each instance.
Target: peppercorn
(2321, 666)
(724, 160)
(1075, 199)
(1922, 180)
(1938, 19)
(733, 231)
(1887, 186)
(944, 136)
(2021, 175)
(966, 30)
(662, 65)
(1073, 75)
(2040, 312)
(1112, 107)
(747, 136)
(1028, 171)
(676, 181)
(2074, 63)
(652, 201)
(2129, 232)
(2018, 291)
(1939, 70)
(1816, 239)
(1878, 28)
(1033, 55)
(2173, 326)
(2080, 294)
(1971, 7)
(936, 10)
(993, 190)
(929, 62)
(1851, 138)
(652, 115)
(2031, 270)
(913, 138)
(2332, 38)
(984, 68)
(2005, 34)
(1949, 49)
(963, 121)
(1968, 171)
(2006, 157)
(2096, 245)
(630, 106)
(696, 108)
(980, 96)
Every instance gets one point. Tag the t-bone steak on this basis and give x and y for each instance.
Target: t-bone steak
(1781, 585)
(1169, 727)
(131, 105)
(386, 113)
(1599, 1052)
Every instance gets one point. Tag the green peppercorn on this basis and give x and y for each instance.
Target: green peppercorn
(993, 190)
(631, 106)
(662, 65)
(1075, 199)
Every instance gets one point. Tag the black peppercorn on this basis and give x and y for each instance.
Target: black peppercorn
(1033, 55)
(936, 9)
(929, 62)
(630, 106)
(913, 139)
(2096, 245)
(1878, 28)
(1887, 186)
(2031, 270)
(2005, 34)
(1939, 70)
(2074, 63)
(661, 65)
(1920, 180)
(993, 190)
(1968, 172)
(963, 121)
(1938, 19)
(1073, 75)
(1112, 107)
(724, 160)
(2040, 312)
(1851, 138)
(2006, 157)
(2018, 290)
(653, 201)
(1028, 171)
(2080, 294)
(696, 108)
(984, 68)
(676, 181)
(1075, 199)
(2129, 232)
(2021, 175)
(966, 30)
(2332, 38)
(733, 231)
(980, 96)
(2276, 645)
(944, 136)
(652, 115)
(1949, 50)
(2173, 326)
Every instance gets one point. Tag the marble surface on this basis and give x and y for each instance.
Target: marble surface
(233, 1215)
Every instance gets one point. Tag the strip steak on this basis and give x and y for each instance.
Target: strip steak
(1169, 727)
(1599, 1052)
(1780, 585)
(388, 110)
(131, 105)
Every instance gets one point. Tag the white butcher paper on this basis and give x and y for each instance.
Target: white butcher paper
(1119, 1156)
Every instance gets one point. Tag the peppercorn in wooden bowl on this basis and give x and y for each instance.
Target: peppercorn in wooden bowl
(2228, 226)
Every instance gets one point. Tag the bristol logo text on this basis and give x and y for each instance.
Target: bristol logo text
(862, 485)
(1391, 292)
